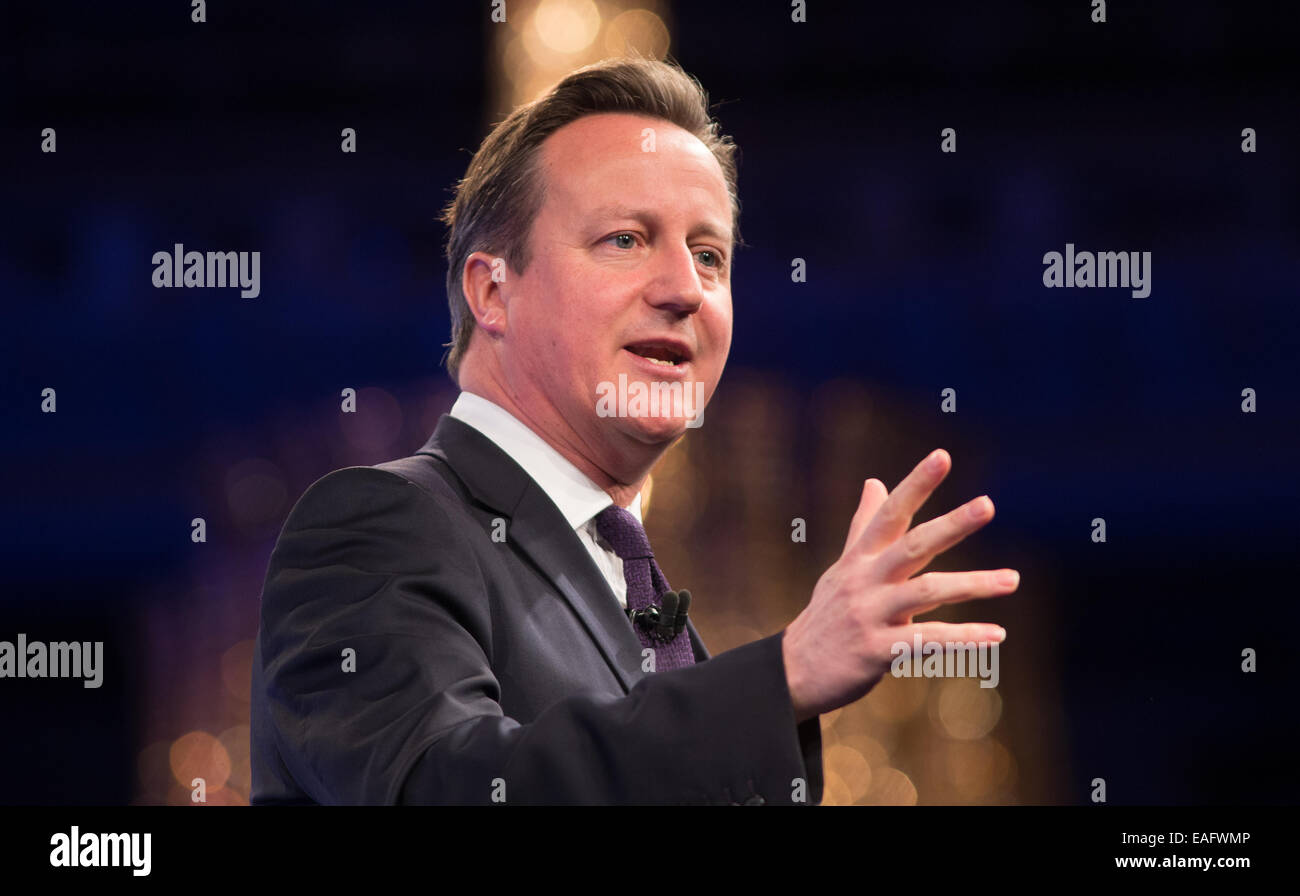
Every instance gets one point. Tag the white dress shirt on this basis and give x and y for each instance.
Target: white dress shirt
(578, 498)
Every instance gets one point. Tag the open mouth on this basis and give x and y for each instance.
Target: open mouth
(665, 354)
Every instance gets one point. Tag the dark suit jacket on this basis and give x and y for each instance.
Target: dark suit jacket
(490, 669)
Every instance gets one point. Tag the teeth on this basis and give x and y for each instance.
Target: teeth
(649, 354)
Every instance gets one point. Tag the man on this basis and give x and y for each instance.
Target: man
(484, 622)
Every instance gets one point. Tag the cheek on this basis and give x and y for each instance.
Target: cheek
(546, 309)
(719, 325)
(592, 308)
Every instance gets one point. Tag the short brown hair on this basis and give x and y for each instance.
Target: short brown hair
(502, 191)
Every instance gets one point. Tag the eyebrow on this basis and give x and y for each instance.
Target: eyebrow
(617, 210)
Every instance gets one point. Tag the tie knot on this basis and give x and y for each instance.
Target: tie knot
(624, 534)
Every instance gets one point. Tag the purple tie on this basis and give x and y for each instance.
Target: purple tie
(645, 582)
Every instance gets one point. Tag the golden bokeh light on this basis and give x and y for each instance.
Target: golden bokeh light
(637, 32)
(867, 747)
(546, 40)
(835, 790)
(199, 755)
(979, 769)
(235, 740)
(964, 710)
(566, 26)
(852, 769)
(897, 699)
(891, 787)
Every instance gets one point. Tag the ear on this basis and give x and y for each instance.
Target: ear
(482, 281)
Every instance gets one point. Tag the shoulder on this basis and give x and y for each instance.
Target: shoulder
(365, 491)
(404, 506)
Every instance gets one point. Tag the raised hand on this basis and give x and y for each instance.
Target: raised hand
(840, 645)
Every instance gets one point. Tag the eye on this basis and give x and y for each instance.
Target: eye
(712, 259)
(623, 240)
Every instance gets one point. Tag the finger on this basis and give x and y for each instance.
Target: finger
(914, 551)
(873, 495)
(923, 593)
(955, 632)
(895, 515)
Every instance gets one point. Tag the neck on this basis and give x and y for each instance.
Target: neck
(551, 428)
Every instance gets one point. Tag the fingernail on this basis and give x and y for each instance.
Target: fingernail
(980, 507)
(935, 463)
(1009, 578)
(999, 634)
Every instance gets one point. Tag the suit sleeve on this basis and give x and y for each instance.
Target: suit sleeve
(376, 640)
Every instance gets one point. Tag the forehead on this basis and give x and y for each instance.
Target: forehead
(605, 160)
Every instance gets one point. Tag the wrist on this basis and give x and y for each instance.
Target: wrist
(803, 711)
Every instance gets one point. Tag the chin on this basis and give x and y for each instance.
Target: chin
(653, 410)
(654, 430)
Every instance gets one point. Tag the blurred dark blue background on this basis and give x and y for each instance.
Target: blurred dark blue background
(924, 272)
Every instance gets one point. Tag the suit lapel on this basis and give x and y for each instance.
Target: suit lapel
(537, 528)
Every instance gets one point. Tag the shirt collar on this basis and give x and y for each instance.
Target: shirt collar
(578, 498)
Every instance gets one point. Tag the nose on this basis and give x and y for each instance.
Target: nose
(676, 284)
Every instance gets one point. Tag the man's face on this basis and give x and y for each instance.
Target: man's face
(630, 259)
